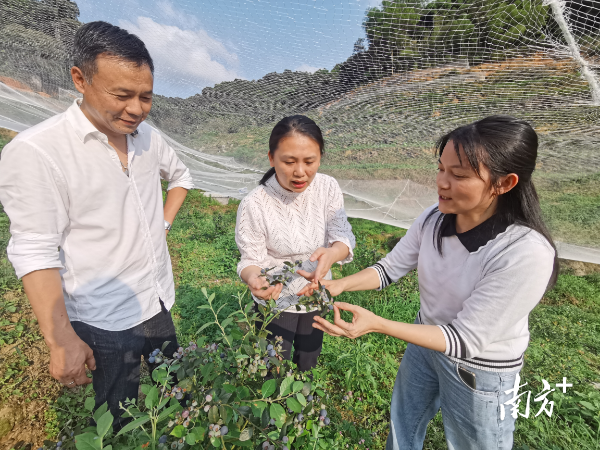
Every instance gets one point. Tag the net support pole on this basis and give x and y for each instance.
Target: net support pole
(558, 8)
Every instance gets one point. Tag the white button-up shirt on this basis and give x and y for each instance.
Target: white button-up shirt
(71, 207)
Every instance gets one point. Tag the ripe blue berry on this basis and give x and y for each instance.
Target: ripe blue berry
(309, 398)
(285, 439)
(224, 430)
(272, 421)
(151, 360)
(162, 439)
(155, 352)
(300, 417)
(327, 421)
(323, 413)
(269, 347)
(271, 353)
(59, 444)
(330, 307)
(222, 355)
(285, 448)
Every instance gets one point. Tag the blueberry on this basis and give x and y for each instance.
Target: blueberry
(285, 448)
(323, 413)
(265, 445)
(151, 360)
(330, 307)
(162, 439)
(272, 421)
(224, 430)
(59, 444)
(271, 353)
(269, 347)
(155, 352)
(300, 417)
(285, 439)
(327, 421)
(309, 398)
(222, 355)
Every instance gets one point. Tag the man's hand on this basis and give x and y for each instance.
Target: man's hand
(68, 361)
(68, 353)
(257, 284)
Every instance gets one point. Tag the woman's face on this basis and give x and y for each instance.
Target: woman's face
(460, 189)
(296, 162)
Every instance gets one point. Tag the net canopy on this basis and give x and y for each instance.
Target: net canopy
(382, 79)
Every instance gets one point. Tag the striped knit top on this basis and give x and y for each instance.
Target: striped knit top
(482, 288)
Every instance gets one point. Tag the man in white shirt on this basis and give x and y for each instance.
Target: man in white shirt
(83, 194)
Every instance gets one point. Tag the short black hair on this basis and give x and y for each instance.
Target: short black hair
(96, 38)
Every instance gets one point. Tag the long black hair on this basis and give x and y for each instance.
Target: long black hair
(504, 145)
(293, 125)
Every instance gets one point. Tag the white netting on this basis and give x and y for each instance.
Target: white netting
(416, 70)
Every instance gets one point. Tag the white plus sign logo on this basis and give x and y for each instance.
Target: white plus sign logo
(564, 385)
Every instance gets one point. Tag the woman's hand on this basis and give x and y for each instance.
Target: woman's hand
(326, 257)
(260, 288)
(335, 287)
(363, 321)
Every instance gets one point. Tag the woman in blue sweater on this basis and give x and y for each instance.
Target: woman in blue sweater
(484, 259)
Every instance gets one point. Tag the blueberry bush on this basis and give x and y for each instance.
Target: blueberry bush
(237, 392)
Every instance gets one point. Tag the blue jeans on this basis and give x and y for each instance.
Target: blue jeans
(118, 358)
(427, 381)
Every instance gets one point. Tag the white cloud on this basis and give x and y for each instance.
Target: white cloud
(168, 11)
(307, 68)
(190, 59)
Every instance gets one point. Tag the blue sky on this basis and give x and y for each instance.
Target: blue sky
(200, 43)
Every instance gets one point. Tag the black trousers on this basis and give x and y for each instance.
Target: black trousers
(297, 332)
(118, 357)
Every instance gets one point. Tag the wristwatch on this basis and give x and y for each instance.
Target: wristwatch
(167, 226)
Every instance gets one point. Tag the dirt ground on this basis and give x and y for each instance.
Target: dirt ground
(25, 412)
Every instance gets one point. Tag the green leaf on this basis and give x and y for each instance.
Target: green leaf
(203, 327)
(223, 412)
(190, 439)
(246, 434)
(258, 408)
(268, 388)
(104, 424)
(213, 414)
(162, 349)
(131, 425)
(286, 386)
(145, 388)
(152, 398)
(588, 405)
(167, 412)
(89, 404)
(211, 297)
(227, 322)
(297, 386)
(301, 398)
(178, 431)
(293, 404)
(87, 441)
(236, 334)
(100, 412)
(204, 292)
(321, 393)
(309, 425)
(243, 392)
(306, 388)
(278, 413)
(204, 307)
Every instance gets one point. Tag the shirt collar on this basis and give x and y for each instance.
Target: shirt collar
(82, 125)
(476, 237)
(284, 193)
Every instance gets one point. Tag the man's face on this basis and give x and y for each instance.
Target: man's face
(119, 97)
